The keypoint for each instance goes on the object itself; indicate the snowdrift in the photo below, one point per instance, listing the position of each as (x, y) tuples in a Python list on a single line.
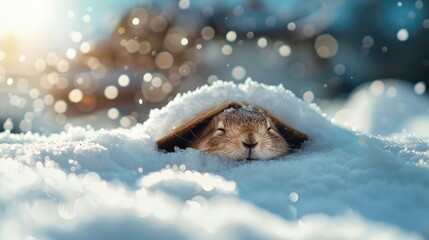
[(386, 107), (111, 184)]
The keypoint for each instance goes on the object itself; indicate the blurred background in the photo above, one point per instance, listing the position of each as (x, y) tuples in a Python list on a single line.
[(108, 63)]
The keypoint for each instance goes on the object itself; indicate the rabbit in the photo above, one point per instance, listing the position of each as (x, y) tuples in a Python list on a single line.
[(237, 132), (241, 134)]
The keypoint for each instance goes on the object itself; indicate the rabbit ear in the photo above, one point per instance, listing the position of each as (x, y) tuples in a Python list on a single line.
[(292, 136), (183, 135)]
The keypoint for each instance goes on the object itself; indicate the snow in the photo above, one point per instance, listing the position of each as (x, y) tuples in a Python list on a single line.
[(386, 107), (111, 184)]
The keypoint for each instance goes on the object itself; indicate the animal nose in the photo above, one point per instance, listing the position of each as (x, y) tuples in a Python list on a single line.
[(249, 145)]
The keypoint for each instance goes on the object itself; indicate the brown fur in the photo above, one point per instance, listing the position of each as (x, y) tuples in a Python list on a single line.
[(242, 127)]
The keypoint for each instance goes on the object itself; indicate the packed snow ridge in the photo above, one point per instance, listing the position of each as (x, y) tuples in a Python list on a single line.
[(112, 184)]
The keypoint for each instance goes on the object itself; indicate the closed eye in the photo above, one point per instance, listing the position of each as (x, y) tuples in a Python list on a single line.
[(221, 129), (269, 128)]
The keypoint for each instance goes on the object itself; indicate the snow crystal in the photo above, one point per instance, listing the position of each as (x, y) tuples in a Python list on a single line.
[(228, 110), (248, 108), (340, 185)]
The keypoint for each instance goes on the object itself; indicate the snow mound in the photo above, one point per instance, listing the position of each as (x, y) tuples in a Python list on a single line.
[(111, 184), (386, 107)]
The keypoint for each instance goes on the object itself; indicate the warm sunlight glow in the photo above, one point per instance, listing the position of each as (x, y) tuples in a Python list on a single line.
[(24, 18)]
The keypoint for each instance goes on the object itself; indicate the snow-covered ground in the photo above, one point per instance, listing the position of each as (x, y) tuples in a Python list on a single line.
[(114, 184)]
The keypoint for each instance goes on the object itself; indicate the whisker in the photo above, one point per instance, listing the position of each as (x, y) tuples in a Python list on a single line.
[(182, 138), (291, 138), (275, 107), (266, 132), (192, 133), (287, 116)]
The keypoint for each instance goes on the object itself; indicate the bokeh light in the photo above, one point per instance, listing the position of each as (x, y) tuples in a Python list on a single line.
[(113, 113), (71, 53), (420, 88), (123, 80), (226, 49), (207, 33), (231, 36), (308, 96), (402, 35), (164, 60), (377, 88), (238, 73), (75, 95), (184, 4), (262, 42), (111, 92), (285, 50), (60, 106), (326, 46)]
